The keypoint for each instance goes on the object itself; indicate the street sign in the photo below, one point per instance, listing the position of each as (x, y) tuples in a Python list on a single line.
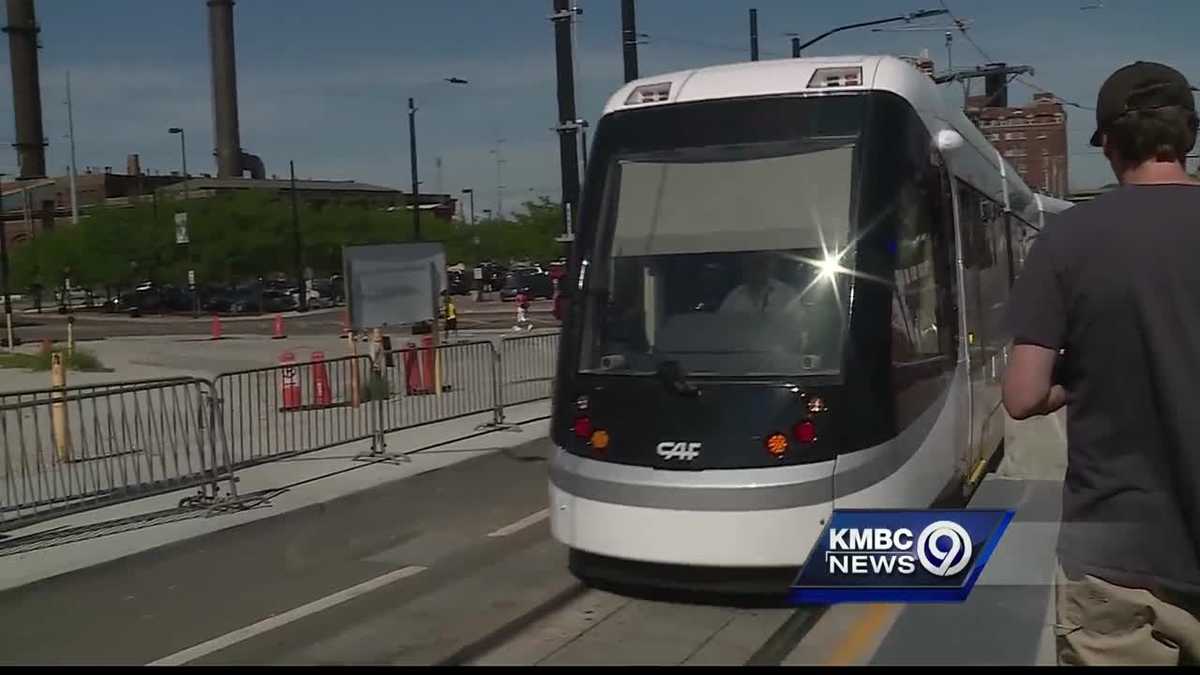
[(181, 228), (192, 278), (478, 274)]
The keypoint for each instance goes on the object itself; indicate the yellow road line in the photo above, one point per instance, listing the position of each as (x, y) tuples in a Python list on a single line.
[(852, 648)]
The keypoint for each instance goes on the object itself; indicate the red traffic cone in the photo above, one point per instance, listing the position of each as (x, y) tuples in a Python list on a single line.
[(216, 327), (278, 330), (321, 394)]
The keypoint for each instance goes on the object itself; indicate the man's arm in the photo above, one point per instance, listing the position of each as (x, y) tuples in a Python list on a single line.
[(1029, 388), (1038, 309)]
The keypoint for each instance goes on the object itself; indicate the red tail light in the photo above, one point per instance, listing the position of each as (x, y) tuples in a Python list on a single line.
[(805, 432), (582, 427)]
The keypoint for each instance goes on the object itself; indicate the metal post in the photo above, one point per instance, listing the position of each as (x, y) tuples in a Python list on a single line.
[(412, 147), (795, 48), (296, 238), (71, 135), (753, 34), (8, 323), (583, 146), (629, 39), (568, 121)]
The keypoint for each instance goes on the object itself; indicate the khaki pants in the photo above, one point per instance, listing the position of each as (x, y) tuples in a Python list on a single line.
[(1099, 623)]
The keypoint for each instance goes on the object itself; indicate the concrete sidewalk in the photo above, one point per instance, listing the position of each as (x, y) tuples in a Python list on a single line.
[(74, 542)]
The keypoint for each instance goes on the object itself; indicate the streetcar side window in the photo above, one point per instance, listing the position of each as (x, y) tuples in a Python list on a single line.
[(923, 306)]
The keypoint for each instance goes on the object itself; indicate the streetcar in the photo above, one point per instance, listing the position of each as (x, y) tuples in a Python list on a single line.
[(786, 296)]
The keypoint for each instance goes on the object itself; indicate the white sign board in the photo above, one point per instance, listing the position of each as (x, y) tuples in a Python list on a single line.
[(191, 277), (181, 228), (393, 284)]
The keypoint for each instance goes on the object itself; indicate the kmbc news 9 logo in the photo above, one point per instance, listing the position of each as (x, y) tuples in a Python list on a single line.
[(930, 555)]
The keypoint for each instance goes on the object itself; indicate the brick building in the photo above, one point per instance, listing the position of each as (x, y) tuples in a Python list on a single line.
[(1033, 138)]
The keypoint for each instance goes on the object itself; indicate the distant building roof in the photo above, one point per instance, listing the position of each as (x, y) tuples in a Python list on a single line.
[(251, 184)]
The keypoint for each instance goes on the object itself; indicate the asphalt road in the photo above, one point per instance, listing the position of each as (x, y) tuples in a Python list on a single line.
[(455, 565)]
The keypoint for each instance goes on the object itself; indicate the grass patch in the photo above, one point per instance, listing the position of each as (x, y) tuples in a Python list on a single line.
[(80, 360)]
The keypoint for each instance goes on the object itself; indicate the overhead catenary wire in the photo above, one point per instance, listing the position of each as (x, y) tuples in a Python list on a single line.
[(962, 28)]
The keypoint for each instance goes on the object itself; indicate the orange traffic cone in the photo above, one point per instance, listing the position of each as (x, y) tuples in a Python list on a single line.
[(278, 331)]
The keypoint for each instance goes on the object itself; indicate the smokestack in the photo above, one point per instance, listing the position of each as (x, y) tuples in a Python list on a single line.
[(22, 32), (133, 165), (224, 89)]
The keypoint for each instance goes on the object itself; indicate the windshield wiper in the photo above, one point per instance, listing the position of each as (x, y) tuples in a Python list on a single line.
[(675, 379)]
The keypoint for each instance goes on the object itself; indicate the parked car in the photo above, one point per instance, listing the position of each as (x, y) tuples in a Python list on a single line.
[(457, 283), (534, 281)]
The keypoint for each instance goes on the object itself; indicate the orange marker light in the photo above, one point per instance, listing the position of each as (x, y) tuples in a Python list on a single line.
[(777, 444), (600, 439)]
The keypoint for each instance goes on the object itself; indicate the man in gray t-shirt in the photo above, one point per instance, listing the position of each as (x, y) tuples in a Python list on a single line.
[(1114, 286)]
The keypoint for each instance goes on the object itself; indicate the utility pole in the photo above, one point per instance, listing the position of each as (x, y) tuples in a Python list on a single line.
[(583, 146), (412, 151), (8, 323), (299, 246), (753, 34), (990, 71), (568, 125), (499, 182), (71, 135), (629, 40)]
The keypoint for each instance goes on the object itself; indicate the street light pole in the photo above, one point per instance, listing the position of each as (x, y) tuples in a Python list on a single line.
[(186, 195), (183, 157), (919, 14), (8, 324), (71, 135), (412, 146), (471, 193), (303, 283)]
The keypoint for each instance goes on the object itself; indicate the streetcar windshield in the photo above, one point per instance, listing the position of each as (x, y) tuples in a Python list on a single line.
[(727, 260)]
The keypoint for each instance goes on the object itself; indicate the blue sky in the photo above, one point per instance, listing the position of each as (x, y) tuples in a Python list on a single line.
[(325, 83)]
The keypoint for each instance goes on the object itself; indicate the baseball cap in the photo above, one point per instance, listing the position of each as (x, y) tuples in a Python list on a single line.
[(1143, 85)]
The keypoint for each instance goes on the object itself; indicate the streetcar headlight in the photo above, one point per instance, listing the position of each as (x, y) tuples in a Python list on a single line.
[(830, 267)]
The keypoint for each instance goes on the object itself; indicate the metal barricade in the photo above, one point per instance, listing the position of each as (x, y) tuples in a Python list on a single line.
[(527, 366), (435, 384), (286, 410), (77, 448)]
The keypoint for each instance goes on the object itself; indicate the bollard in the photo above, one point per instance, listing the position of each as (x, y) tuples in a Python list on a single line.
[(277, 332), (216, 327), (70, 334), (58, 409), (321, 394), (288, 382), (345, 323)]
